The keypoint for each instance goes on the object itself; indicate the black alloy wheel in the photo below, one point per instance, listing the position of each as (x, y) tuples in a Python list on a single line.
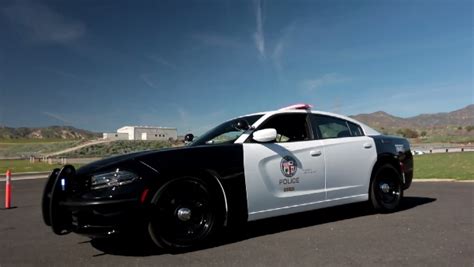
[(183, 214), (386, 189)]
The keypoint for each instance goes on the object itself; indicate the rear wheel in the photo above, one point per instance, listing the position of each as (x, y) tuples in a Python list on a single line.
[(184, 213), (386, 189)]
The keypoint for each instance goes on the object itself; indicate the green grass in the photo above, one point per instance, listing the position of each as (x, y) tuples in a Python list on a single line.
[(458, 166), (26, 149), (116, 148), (18, 166)]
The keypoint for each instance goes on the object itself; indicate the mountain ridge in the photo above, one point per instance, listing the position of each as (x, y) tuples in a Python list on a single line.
[(380, 119), (50, 132)]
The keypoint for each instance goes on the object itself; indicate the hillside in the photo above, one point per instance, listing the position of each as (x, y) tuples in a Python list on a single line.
[(455, 126), (51, 132), (462, 117), (381, 119)]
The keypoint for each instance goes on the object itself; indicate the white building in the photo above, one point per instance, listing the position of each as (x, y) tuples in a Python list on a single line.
[(143, 133)]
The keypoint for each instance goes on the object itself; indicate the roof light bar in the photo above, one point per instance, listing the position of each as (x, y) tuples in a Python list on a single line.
[(298, 106)]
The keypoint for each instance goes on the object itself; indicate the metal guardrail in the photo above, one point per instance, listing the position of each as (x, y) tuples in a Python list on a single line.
[(443, 149)]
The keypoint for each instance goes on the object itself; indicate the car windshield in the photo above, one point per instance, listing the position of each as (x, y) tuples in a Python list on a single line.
[(226, 133)]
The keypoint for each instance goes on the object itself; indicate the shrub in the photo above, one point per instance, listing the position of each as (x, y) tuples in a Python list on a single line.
[(408, 133)]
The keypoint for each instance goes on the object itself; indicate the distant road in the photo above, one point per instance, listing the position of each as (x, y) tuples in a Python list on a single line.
[(89, 143)]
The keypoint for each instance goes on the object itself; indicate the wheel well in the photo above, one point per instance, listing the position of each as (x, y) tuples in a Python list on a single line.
[(212, 179), (384, 161)]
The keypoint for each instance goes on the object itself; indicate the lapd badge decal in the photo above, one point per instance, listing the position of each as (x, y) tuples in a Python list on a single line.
[(288, 166)]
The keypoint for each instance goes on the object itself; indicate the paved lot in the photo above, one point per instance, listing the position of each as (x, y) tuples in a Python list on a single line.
[(434, 228)]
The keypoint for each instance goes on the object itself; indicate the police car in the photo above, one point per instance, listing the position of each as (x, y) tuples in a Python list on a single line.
[(252, 167)]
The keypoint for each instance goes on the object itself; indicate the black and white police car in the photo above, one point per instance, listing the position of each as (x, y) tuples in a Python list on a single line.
[(249, 168)]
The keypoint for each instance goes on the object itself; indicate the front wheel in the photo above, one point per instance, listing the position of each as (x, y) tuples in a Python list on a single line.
[(184, 213), (386, 189)]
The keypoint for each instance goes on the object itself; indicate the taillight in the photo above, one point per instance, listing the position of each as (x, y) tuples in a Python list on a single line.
[(144, 195)]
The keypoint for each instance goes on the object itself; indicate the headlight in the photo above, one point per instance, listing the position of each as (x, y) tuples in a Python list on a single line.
[(111, 179)]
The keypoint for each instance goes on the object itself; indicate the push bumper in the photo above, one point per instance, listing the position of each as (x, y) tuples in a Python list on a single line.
[(67, 211)]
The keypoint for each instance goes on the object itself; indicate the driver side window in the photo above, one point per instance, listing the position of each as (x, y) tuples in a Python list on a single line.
[(227, 137), (291, 127)]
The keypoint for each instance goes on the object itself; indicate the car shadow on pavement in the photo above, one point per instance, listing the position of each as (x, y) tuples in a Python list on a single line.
[(143, 246)]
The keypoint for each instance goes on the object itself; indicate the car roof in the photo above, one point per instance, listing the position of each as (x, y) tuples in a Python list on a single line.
[(367, 130)]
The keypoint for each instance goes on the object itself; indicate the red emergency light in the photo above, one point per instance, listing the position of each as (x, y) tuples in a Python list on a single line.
[(298, 106)]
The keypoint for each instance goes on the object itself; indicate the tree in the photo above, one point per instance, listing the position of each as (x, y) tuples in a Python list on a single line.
[(469, 128), (423, 133)]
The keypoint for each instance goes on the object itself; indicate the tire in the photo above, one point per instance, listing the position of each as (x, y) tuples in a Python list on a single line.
[(46, 198), (59, 216), (184, 213), (386, 189)]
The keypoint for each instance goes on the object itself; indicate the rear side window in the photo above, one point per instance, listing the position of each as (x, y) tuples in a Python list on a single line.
[(329, 127)]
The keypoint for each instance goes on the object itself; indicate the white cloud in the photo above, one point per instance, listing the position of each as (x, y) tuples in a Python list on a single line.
[(259, 34), (277, 55), (149, 80), (42, 24), (279, 50), (217, 40), (320, 82), (162, 61), (183, 114), (190, 121), (56, 117)]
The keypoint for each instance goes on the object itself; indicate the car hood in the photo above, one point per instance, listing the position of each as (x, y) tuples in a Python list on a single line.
[(113, 160), (172, 159)]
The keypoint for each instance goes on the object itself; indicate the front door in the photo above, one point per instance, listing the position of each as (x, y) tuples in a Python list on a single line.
[(288, 175)]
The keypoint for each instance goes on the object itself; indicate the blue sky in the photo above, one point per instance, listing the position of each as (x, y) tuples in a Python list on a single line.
[(99, 65)]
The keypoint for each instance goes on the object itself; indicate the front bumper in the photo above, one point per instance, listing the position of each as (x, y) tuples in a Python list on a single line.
[(101, 218), (67, 209)]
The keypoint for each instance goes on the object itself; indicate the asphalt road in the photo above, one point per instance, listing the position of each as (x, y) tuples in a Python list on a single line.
[(433, 228)]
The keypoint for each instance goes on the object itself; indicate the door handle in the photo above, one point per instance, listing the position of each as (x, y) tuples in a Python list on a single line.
[(367, 145), (315, 153)]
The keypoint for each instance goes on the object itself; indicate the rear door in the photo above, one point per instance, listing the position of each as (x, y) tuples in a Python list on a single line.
[(288, 175), (349, 156)]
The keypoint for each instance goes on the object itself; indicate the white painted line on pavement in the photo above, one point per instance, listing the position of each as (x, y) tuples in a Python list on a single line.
[(441, 180), (19, 178)]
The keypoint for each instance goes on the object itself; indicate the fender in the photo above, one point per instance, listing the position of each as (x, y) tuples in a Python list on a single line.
[(396, 151), (222, 164)]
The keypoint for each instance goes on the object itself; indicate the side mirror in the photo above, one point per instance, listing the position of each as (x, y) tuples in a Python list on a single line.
[(188, 138), (241, 125), (265, 135)]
